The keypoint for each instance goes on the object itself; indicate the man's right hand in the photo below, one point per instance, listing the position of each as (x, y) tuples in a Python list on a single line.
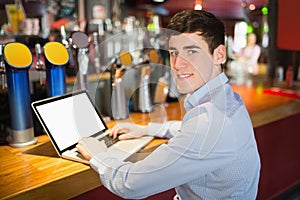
[(128, 130), (89, 147)]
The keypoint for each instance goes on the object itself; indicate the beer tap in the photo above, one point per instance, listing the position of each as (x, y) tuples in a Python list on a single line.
[(83, 61), (40, 66), (97, 64), (67, 43), (118, 98), (101, 31), (63, 34), (142, 96), (80, 43), (2, 69), (18, 60)]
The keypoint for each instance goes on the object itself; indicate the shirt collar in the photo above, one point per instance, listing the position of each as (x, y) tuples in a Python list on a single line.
[(195, 98)]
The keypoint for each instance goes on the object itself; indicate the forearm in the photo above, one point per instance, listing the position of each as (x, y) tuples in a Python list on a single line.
[(135, 180), (156, 173), (161, 170), (164, 130)]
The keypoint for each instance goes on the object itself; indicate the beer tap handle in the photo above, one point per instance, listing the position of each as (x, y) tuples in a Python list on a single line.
[(96, 52), (2, 68), (83, 60), (67, 43), (64, 36), (39, 63)]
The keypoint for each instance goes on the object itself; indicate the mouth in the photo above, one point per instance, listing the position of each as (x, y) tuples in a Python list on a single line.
[(184, 76)]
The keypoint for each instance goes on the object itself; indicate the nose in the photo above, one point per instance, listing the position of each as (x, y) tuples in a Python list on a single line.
[(178, 62)]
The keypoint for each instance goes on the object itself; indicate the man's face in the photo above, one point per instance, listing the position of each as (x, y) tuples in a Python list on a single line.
[(191, 62)]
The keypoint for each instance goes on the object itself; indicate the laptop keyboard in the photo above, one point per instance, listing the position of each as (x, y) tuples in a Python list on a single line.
[(108, 140)]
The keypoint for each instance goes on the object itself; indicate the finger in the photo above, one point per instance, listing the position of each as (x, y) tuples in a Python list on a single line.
[(114, 134), (80, 143), (119, 126), (83, 152), (79, 148), (114, 131), (119, 132)]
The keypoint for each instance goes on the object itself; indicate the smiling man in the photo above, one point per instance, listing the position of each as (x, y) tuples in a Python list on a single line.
[(189, 58), (212, 152)]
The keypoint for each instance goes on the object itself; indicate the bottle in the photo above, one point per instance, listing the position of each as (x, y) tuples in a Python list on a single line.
[(279, 73), (289, 77), (21, 15)]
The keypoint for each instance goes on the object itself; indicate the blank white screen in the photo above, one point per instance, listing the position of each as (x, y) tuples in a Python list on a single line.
[(70, 119)]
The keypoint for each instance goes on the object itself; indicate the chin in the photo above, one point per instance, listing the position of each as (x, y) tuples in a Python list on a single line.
[(185, 90)]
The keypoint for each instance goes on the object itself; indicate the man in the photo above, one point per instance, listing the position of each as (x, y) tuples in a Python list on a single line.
[(212, 153)]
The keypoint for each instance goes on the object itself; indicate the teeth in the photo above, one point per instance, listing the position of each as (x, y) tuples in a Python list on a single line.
[(184, 75)]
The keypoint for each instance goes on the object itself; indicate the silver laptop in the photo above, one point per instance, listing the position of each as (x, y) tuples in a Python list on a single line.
[(70, 117)]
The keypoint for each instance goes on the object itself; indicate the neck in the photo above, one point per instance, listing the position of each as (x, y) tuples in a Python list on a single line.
[(217, 69)]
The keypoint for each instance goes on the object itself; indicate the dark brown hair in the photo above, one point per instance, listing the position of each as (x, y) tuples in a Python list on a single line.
[(189, 21)]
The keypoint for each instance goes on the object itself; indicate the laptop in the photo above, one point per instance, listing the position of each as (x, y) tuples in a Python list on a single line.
[(69, 117)]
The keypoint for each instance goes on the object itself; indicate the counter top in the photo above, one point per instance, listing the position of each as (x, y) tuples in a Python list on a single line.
[(36, 171), (266, 108)]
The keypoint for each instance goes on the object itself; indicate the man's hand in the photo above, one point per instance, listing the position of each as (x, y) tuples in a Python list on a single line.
[(128, 130), (89, 147)]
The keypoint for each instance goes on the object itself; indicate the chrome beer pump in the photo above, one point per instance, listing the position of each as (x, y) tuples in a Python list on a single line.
[(96, 43), (142, 96), (71, 67), (18, 59), (80, 42), (145, 103), (118, 98)]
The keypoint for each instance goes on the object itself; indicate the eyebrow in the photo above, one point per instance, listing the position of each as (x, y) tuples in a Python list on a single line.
[(172, 48), (192, 47), (187, 47)]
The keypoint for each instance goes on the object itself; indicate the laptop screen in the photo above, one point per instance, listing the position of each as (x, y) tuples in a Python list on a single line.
[(68, 118)]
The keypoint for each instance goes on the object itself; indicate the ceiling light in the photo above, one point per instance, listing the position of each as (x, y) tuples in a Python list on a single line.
[(252, 7), (243, 4), (264, 10), (198, 5)]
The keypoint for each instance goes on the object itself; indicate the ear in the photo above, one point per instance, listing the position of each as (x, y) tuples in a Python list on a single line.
[(219, 55)]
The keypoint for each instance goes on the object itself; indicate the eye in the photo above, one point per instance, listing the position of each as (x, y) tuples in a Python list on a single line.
[(174, 53), (191, 52)]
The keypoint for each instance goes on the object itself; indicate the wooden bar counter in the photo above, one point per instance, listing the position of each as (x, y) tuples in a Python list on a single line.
[(36, 172)]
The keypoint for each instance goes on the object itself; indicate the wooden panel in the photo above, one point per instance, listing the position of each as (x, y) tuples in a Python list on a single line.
[(278, 145), (288, 25)]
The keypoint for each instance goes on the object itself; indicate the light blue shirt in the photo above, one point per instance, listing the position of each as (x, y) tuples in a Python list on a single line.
[(212, 153)]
